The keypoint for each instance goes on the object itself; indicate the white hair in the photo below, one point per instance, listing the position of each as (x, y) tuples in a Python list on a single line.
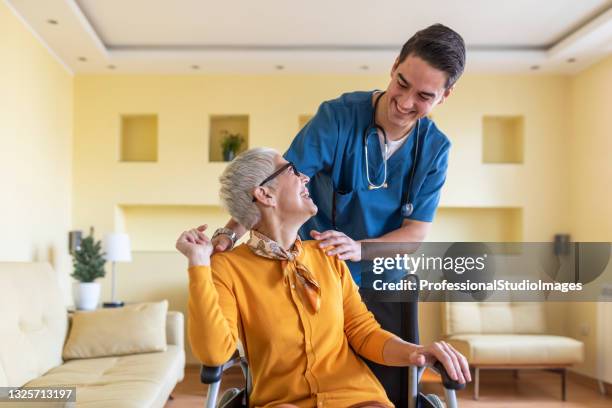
[(240, 178)]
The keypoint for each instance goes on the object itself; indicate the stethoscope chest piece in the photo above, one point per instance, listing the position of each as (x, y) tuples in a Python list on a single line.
[(407, 210)]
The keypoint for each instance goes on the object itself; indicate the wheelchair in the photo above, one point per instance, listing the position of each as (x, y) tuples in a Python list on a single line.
[(238, 398)]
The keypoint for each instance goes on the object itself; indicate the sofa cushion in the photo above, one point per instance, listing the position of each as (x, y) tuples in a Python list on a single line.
[(33, 321), (493, 318), (139, 380), (520, 349), (138, 328)]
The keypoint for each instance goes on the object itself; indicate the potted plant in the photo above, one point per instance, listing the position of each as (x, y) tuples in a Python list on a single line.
[(231, 145), (88, 265)]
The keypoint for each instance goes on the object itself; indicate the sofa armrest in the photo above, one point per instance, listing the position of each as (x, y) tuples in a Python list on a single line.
[(175, 324)]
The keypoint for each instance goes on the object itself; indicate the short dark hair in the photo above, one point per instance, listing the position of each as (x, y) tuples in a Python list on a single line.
[(440, 47)]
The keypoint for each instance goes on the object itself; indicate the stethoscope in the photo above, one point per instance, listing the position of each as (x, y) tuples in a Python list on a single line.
[(408, 207)]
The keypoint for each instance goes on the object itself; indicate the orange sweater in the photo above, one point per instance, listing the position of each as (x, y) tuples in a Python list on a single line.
[(295, 356)]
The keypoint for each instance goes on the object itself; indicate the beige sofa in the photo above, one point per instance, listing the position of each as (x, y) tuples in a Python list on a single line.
[(508, 335), (33, 331)]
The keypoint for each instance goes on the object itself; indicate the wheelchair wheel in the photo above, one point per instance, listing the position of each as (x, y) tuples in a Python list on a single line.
[(232, 398), (430, 401)]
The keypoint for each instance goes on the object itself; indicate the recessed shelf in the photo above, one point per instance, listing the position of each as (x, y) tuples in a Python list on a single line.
[(502, 139), (220, 127), (303, 120), (138, 138), (477, 224)]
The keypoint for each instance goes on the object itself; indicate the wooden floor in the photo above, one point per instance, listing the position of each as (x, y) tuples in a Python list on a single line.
[(497, 389)]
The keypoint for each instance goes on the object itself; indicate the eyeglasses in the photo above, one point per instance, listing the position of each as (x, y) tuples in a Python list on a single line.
[(278, 173)]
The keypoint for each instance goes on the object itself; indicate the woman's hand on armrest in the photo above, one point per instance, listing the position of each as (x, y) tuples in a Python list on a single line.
[(455, 363), (398, 352), (196, 246)]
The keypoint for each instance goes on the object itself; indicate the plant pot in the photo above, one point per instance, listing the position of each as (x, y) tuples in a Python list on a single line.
[(229, 155), (86, 295)]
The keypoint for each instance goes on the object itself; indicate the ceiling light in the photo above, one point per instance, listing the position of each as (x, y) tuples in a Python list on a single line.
[(52, 21), (570, 60), (280, 67), (534, 67)]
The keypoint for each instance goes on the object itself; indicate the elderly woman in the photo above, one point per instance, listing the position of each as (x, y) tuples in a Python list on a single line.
[(295, 309)]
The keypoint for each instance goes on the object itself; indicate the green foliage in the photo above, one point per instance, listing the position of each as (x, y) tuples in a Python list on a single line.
[(88, 260), (231, 142)]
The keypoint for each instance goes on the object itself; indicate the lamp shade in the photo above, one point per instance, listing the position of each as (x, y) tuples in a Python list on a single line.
[(117, 247)]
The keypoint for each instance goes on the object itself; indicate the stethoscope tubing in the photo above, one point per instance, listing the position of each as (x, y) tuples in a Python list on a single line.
[(408, 207)]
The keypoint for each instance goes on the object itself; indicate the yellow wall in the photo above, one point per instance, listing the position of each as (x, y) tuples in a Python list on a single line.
[(590, 194), (591, 145), (35, 150), (153, 200)]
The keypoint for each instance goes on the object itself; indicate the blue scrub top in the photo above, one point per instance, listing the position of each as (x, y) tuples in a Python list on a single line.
[(330, 150)]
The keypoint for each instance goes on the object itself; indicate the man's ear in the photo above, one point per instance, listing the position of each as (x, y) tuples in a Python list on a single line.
[(261, 194), (446, 94)]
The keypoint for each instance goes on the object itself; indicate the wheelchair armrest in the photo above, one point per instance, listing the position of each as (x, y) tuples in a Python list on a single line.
[(448, 382), (210, 375)]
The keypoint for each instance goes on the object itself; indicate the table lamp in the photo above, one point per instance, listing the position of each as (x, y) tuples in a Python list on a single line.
[(118, 249)]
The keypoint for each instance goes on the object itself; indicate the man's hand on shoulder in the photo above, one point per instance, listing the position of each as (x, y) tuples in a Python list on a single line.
[(336, 243)]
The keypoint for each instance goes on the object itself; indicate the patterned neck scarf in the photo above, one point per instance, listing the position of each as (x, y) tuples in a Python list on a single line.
[(306, 284)]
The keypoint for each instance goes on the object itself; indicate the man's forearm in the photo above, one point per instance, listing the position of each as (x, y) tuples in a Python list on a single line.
[(410, 231), (407, 238)]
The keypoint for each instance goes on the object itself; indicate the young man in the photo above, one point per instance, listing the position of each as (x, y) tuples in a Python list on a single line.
[(377, 165)]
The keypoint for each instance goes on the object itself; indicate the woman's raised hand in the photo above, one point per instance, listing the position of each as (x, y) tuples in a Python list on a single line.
[(195, 245)]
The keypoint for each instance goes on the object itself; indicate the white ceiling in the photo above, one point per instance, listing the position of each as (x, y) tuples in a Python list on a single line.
[(316, 36)]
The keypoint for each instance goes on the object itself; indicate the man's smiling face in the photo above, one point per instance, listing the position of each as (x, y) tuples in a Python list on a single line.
[(415, 88)]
